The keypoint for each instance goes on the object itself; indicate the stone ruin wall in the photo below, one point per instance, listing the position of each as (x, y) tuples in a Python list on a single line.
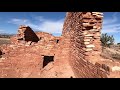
[(25, 33), (83, 32), (22, 54), (78, 48)]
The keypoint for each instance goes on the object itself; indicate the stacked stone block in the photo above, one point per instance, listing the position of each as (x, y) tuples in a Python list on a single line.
[(83, 31)]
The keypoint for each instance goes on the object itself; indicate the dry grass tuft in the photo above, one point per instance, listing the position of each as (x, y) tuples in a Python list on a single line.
[(110, 53), (4, 41)]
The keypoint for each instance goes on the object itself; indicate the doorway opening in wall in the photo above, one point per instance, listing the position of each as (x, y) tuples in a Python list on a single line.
[(57, 41), (47, 59), (20, 39)]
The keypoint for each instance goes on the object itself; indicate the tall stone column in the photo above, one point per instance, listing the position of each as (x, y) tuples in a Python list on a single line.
[(82, 31), (91, 30)]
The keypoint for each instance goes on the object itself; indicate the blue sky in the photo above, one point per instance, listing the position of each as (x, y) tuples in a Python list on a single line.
[(52, 22)]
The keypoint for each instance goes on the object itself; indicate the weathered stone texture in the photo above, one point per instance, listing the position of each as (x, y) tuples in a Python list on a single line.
[(25, 33), (81, 28), (74, 52)]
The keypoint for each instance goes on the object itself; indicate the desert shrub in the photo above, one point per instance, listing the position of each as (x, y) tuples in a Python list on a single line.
[(110, 53), (107, 40)]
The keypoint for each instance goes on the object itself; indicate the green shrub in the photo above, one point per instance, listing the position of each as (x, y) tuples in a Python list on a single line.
[(107, 40)]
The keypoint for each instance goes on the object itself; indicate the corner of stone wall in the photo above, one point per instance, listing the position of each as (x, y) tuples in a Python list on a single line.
[(91, 31), (83, 32)]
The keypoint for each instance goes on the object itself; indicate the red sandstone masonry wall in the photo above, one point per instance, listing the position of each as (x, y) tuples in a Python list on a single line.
[(27, 34), (83, 43)]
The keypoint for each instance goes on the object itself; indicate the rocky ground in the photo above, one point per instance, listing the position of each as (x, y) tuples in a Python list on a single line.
[(4, 41), (15, 61), (110, 57)]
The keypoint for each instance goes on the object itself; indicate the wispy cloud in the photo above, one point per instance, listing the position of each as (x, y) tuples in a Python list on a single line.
[(39, 18), (52, 26), (18, 21), (111, 25), (2, 31), (114, 28), (112, 19), (46, 25)]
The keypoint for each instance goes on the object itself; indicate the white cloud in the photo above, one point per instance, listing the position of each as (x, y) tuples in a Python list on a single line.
[(111, 25), (111, 28), (113, 19), (40, 18), (2, 31), (18, 21), (51, 26)]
